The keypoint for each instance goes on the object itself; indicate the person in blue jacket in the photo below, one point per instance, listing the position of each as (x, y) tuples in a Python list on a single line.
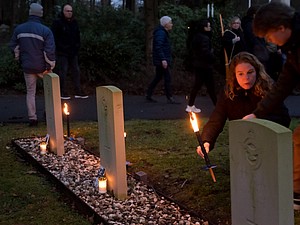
[(162, 59), (33, 46)]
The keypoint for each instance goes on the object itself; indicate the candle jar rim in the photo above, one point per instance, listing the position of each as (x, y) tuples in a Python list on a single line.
[(102, 178)]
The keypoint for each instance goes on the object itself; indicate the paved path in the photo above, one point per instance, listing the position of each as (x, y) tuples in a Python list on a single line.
[(13, 108)]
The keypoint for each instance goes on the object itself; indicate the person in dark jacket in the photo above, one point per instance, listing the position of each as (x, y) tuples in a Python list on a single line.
[(246, 85), (33, 45), (162, 57), (202, 59), (279, 24), (255, 45), (267, 54), (233, 39), (67, 39)]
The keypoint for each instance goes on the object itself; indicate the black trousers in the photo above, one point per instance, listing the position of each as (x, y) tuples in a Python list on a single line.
[(203, 76)]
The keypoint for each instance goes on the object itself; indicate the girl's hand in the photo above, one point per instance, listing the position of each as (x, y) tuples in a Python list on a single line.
[(199, 151)]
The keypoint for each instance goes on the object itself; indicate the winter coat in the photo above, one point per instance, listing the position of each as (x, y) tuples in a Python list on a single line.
[(233, 49), (33, 44), (242, 104), (161, 46), (67, 36), (255, 45), (201, 51), (290, 75)]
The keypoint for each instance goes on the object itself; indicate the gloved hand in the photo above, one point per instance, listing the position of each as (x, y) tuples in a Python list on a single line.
[(235, 40)]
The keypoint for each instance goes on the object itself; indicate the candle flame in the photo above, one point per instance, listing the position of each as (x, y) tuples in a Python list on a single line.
[(66, 110), (194, 121), (125, 134)]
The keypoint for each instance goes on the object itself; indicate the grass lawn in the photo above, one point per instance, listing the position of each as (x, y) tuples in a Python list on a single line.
[(165, 150)]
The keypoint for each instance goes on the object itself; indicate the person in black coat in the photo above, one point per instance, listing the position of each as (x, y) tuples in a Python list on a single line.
[(246, 85), (201, 58), (279, 24), (233, 39), (67, 40)]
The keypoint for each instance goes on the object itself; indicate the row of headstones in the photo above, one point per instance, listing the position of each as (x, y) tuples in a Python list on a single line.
[(110, 125), (260, 157)]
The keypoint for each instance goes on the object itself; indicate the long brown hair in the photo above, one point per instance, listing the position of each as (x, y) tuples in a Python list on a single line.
[(263, 82)]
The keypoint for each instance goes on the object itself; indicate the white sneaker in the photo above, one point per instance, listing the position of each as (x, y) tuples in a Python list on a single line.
[(192, 109)]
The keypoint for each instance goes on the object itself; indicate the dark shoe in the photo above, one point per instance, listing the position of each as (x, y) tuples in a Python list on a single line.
[(81, 95), (149, 99), (296, 201), (33, 123), (171, 100), (65, 96)]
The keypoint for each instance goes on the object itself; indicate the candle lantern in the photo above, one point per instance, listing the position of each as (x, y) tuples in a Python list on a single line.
[(102, 180), (67, 113), (208, 166), (102, 184), (43, 148)]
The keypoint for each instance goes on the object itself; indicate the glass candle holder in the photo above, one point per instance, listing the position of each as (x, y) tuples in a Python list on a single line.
[(102, 185), (43, 148)]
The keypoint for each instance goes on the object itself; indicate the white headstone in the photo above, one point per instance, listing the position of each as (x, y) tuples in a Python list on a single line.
[(111, 138), (261, 173), (54, 113)]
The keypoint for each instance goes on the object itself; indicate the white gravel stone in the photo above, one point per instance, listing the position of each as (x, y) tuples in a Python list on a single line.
[(77, 169)]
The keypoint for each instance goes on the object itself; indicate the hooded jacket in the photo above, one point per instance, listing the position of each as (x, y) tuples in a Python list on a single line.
[(201, 51)]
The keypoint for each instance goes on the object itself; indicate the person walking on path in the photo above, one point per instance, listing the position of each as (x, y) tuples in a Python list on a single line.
[(202, 59), (279, 24), (246, 85), (33, 45), (162, 59), (67, 39)]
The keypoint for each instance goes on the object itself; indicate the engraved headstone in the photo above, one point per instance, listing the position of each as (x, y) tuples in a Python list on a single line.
[(54, 113), (111, 138), (261, 172)]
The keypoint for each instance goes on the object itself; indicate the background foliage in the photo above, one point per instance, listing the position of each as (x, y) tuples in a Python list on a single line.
[(113, 48)]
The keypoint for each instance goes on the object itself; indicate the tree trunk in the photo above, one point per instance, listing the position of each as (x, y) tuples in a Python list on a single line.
[(48, 7), (106, 2), (151, 19)]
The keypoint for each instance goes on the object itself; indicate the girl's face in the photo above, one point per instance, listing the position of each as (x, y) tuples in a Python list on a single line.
[(236, 24), (207, 28), (245, 75)]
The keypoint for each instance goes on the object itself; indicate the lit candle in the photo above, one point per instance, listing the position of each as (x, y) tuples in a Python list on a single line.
[(67, 113), (208, 10), (249, 3), (43, 148), (194, 123), (102, 183), (212, 9)]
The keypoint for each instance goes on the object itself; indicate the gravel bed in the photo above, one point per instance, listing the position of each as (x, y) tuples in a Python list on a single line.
[(77, 169)]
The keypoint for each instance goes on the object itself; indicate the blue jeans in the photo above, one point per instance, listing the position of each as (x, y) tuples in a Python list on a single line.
[(63, 64), (161, 73)]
